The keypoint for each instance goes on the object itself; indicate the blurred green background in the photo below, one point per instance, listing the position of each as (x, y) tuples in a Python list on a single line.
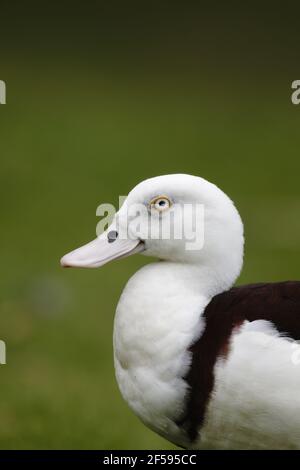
[(100, 97)]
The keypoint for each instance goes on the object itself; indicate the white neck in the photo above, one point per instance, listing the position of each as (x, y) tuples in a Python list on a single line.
[(158, 317)]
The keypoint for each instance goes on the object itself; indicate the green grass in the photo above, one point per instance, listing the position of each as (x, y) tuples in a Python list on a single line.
[(72, 138)]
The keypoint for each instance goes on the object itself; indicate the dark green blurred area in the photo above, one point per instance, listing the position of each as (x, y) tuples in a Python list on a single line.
[(98, 99)]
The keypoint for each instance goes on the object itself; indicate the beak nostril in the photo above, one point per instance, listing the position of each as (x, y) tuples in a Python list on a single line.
[(112, 236)]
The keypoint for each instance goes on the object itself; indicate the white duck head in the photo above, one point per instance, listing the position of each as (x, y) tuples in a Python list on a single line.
[(178, 218)]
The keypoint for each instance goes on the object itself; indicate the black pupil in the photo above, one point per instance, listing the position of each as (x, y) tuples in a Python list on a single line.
[(112, 236), (162, 203)]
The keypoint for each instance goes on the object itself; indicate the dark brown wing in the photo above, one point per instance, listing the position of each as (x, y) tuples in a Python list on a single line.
[(278, 303)]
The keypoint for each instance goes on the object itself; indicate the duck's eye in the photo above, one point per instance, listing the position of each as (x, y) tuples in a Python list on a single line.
[(160, 203)]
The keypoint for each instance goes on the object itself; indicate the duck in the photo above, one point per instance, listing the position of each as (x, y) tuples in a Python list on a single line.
[(203, 362)]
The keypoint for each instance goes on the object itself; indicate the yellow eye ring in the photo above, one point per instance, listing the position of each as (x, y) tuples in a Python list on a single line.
[(160, 203)]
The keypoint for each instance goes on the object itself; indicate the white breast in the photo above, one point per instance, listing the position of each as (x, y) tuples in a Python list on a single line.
[(157, 318)]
